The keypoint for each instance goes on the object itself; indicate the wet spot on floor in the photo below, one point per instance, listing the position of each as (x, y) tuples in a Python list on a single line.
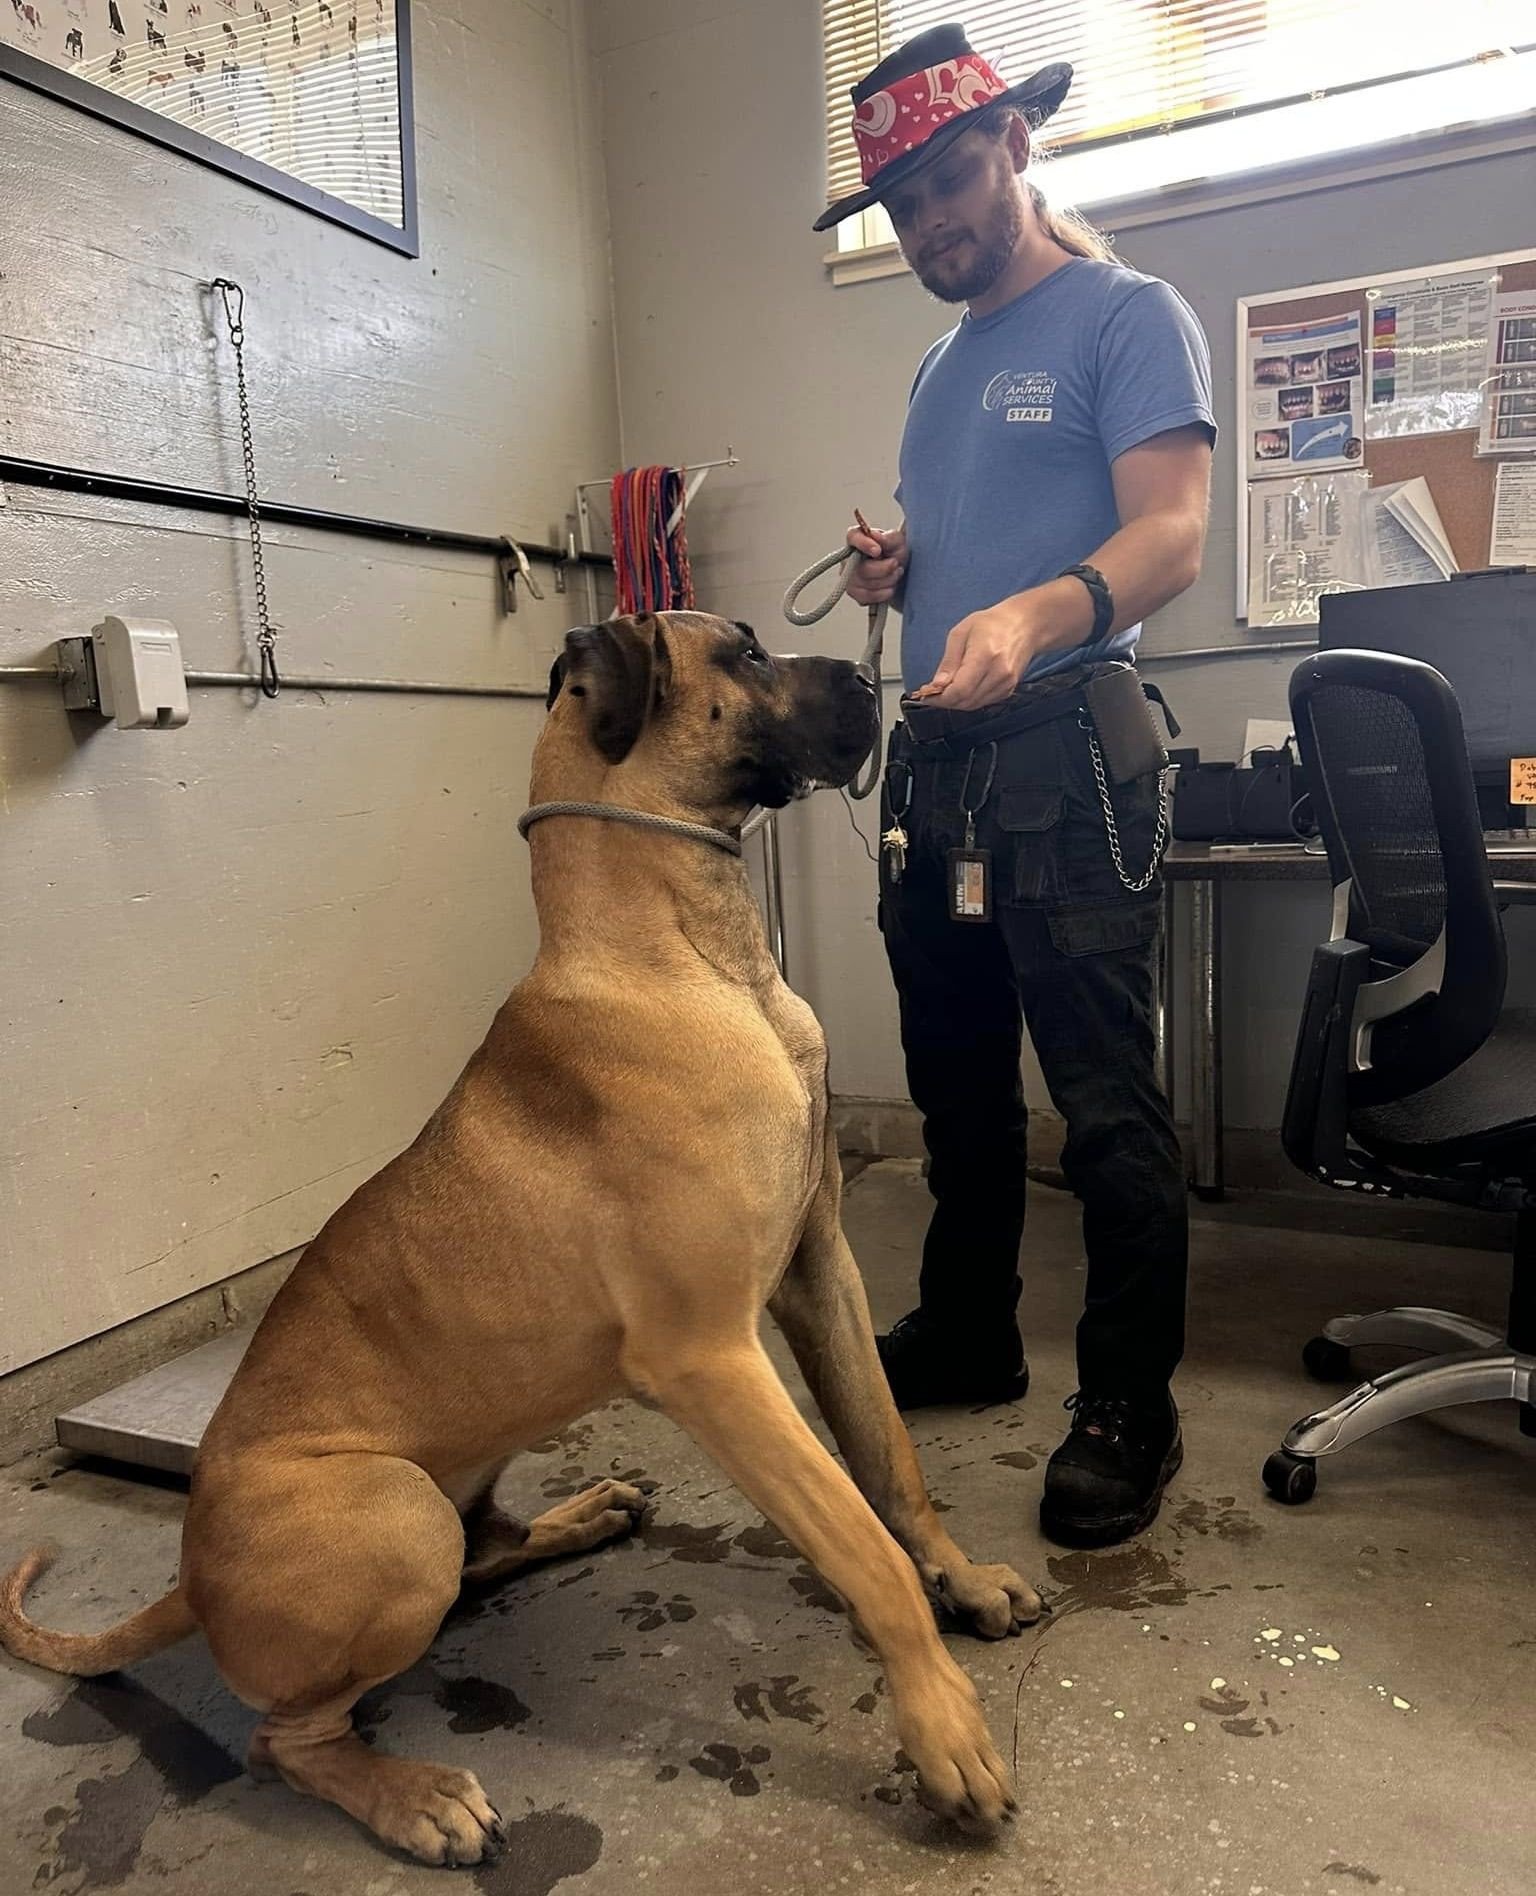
[(814, 1590), (784, 1697), (564, 1483), (96, 1711), (476, 1705), (729, 1766), (1356, 1870), (573, 1440), (1128, 1579), (105, 1832), (543, 1849), (699, 1546), (764, 1543), (1221, 1517), (647, 1611), (1017, 1458)]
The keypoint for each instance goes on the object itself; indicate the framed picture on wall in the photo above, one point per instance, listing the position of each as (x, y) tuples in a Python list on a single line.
[(307, 99)]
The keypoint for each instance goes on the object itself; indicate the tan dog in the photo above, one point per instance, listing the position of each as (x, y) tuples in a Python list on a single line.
[(636, 1161)]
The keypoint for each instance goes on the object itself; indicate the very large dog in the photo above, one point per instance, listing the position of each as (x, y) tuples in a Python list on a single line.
[(636, 1161)]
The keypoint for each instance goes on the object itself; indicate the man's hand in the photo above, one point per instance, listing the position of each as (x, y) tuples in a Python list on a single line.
[(989, 652), (877, 576)]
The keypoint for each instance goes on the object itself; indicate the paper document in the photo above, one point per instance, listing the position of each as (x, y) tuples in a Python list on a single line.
[(1304, 540), (1265, 734), (1403, 541), (1304, 403), (1509, 389), (1514, 515), (1428, 343)]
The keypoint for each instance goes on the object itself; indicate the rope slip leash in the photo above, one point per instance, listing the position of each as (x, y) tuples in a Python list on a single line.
[(641, 819), (846, 559)]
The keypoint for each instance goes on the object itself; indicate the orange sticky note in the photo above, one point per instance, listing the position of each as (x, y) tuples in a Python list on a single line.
[(1522, 779)]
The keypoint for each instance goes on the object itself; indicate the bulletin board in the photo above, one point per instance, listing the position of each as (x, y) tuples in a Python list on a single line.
[(1456, 446)]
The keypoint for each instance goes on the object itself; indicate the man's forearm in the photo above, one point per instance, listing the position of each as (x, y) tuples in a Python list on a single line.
[(1147, 562)]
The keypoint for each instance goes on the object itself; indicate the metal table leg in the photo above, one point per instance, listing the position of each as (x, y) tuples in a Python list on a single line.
[(1205, 1036)]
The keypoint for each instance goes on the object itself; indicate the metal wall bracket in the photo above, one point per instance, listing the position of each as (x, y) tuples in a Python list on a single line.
[(77, 674)]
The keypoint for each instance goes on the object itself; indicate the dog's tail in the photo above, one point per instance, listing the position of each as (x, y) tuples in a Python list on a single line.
[(85, 1654)]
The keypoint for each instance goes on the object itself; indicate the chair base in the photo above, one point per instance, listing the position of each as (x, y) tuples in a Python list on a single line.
[(1479, 1367)]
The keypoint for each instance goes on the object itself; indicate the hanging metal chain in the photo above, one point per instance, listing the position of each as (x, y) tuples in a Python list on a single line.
[(1160, 838), (266, 637)]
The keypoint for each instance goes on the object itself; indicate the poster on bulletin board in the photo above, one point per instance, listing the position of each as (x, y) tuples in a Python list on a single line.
[(1304, 395), (1428, 339), (1422, 384), (307, 99)]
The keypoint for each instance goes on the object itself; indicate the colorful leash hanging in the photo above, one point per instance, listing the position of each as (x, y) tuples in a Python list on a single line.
[(650, 565)]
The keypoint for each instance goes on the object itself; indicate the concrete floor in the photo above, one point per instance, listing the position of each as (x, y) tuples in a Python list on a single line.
[(1249, 1701)]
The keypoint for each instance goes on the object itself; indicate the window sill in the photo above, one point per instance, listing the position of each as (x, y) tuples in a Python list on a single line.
[(1203, 197)]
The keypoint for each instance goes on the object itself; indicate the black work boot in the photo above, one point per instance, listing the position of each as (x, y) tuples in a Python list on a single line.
[(1106, 1480), (928, 1366)]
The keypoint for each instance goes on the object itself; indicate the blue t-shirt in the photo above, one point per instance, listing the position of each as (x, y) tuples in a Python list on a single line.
[(1012, 425)]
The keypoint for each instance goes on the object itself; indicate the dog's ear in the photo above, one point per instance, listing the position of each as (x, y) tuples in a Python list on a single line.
[(556, 680), (624, 670)]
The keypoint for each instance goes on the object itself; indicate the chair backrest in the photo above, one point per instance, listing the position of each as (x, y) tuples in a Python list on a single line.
[(1386, 762)]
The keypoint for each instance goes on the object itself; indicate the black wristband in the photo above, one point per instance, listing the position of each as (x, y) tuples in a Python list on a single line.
[(1098, 590)]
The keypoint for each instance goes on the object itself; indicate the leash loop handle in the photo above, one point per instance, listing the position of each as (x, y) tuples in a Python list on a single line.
[(842, 558), (845, 559)]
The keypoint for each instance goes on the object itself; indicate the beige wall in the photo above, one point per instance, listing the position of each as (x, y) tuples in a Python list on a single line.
[(729, 329), (242, 961)]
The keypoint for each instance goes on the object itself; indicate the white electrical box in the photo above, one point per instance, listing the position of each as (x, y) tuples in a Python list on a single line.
[(139, 674)]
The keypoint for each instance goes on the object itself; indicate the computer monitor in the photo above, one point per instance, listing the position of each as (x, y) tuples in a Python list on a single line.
[(1479, 631)]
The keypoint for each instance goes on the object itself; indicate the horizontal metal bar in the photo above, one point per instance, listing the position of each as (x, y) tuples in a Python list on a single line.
[(1226, 651), (77, 480), (729, 459), (303, 681), (298, 681)]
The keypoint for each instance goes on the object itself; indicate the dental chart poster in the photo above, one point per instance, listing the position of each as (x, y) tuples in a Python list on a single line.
[(1304, 397)]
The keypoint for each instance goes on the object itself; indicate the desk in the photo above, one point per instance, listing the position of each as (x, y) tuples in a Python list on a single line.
[(1205, 871)]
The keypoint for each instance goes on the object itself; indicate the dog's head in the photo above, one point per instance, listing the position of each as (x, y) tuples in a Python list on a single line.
[(692, 709)]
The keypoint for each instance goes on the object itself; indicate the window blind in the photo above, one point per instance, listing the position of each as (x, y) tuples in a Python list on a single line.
[(1150, 68)]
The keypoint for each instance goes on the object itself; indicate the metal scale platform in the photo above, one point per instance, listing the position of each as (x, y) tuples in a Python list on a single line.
[(157, 1420)]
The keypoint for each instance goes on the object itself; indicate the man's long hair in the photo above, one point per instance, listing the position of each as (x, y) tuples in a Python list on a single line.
[(1063, 226)]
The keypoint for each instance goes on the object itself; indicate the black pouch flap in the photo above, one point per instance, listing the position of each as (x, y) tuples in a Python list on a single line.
[(1026, 810), (1123, 725)]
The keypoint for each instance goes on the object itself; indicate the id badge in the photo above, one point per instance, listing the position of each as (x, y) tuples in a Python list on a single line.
[(970, 885)]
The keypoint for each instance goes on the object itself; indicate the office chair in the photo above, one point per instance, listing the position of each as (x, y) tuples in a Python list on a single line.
[(1410, 1078)]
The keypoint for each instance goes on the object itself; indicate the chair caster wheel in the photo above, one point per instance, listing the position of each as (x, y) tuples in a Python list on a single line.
[(1326, 1360), (1290, 1478)]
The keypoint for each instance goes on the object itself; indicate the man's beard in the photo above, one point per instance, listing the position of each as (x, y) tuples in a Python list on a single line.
[(994, 248)]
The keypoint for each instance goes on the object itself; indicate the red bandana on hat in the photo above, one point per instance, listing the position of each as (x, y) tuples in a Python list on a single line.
[(904, 115)]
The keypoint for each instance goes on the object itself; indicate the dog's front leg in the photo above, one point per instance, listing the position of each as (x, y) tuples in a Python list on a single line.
[(822, 1310), (728, 1396)]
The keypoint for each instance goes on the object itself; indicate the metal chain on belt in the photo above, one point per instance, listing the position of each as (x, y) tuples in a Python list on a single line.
[(266, 637), (1160, 838)]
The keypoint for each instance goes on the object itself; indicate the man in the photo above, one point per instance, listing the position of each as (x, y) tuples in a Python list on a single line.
[(1055, 474)]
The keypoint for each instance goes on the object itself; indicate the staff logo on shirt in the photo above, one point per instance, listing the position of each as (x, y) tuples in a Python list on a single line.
[(1028, 396)]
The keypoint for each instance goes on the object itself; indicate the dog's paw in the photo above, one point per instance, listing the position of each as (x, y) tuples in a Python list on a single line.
[(992, 1602), (439, 1815), (606, 1511), (960, 1774)]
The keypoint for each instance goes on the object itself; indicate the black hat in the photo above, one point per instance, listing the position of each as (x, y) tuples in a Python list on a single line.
[(920, 99)]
